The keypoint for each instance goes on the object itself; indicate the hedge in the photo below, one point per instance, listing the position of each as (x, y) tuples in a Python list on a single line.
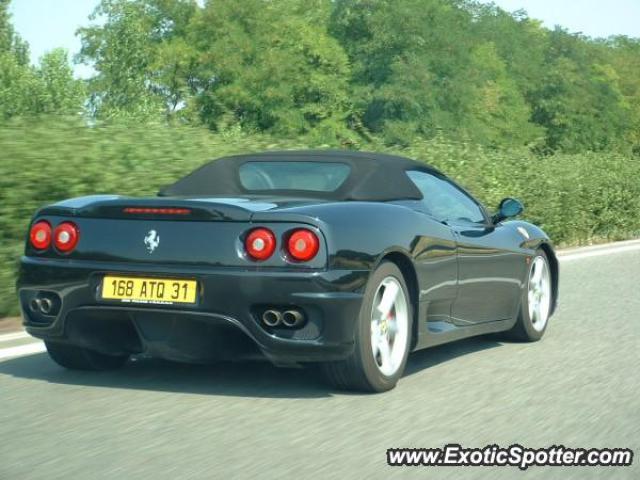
[(577, 199)]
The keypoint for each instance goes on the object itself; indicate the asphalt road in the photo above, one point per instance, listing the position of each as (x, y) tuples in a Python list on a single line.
[(579, 387)]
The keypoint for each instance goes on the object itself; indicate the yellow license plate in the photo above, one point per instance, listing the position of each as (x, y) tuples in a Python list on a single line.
[(149, 290)]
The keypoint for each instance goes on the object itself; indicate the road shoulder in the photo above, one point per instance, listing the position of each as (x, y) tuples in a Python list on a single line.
[(11, 324)]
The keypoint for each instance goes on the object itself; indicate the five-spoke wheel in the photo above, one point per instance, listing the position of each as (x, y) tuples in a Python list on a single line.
[(389, 326), (537, 301), (539, 295), (382, 337)]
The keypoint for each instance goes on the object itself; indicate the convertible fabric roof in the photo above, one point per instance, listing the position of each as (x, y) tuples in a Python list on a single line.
[(373, 177)]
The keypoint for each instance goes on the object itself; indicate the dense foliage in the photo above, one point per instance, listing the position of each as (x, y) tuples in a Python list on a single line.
[(345, 71), (355, 69), (502, 104), (576, 197)]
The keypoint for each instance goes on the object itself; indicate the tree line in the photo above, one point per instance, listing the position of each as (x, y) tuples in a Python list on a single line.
[(353, 70)]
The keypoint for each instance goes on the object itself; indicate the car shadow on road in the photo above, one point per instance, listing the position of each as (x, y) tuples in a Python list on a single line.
[(431, 357), (247, 379)]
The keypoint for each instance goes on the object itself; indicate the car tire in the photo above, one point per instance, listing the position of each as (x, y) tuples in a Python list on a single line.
[(536, 305), (79, 358), (377, 368)]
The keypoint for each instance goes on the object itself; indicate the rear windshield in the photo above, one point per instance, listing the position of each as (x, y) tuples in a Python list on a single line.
[(310, 176)]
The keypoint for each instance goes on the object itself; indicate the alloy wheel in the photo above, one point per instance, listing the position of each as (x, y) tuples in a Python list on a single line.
[(539, 295), (389, 326)]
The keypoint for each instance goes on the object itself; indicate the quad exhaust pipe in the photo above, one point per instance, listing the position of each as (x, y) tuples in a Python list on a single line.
[(46, 305), (41, 305), (292, 318), (34, 305), (272, 318), (289, 318)]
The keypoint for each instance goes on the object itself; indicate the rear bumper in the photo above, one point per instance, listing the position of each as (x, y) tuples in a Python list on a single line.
[(224, 323)]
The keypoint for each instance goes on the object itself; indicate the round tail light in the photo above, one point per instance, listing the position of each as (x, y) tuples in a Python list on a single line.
[(303, 245), (65, 237), (40, 235), (260, 243)]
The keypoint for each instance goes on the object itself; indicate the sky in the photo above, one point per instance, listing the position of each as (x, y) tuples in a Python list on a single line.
[(47, 24)]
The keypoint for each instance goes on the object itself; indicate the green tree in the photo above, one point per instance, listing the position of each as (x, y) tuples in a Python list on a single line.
[(498, 115), (257, 64), (579, 101), (16, 76), (10, 41), (46, 89), (25, 90), (623, 54), (420, 68), (405, 58), (270, 66), (520, 42), (16, 81), (399, 70), (57, 92), (144, 66)]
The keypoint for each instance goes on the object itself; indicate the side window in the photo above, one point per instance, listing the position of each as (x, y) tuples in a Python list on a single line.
[(444, 201)]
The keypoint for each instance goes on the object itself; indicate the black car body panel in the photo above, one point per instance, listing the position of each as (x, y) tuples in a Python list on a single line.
[(464, 279)]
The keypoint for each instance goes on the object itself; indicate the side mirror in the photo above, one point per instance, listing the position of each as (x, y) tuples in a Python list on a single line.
[(509, 208)]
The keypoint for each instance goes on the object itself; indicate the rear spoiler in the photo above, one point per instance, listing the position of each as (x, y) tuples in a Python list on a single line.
[(165, 208)]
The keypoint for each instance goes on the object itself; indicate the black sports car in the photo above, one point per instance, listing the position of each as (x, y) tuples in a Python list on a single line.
[(351, 260)]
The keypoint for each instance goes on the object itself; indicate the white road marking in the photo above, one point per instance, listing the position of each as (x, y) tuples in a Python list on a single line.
[(598, 250), (8, 337), (22, 350)]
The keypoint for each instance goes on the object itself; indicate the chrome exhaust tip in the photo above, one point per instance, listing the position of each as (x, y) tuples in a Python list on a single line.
[(46, 306), (292, 318), (35, 305), (271, 318)]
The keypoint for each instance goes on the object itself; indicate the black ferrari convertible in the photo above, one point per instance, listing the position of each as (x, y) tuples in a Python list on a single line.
[(349, 260)]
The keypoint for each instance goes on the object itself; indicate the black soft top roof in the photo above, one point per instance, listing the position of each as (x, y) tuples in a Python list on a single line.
[(373, 176)]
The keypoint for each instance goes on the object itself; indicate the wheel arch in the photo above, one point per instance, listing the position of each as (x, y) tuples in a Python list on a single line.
[(555, 272), (405, 264)]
